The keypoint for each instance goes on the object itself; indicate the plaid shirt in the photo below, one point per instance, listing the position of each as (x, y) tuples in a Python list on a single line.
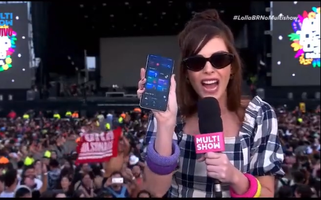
[(256, 150)]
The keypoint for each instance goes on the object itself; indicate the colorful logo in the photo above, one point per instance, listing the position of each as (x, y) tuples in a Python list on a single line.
[(306, 37), (7, 46)]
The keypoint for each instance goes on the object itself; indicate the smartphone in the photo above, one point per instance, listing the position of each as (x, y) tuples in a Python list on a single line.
[(158, 78), (117, 180)]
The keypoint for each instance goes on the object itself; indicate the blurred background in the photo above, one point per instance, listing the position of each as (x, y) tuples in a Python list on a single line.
[(87, 55)]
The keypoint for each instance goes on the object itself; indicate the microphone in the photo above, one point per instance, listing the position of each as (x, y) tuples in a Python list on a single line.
[(211, 138)]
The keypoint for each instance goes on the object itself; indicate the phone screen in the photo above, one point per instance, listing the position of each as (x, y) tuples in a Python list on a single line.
[(117, 180), (158, 75)]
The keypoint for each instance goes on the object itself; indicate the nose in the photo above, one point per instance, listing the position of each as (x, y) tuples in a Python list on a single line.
[(208, 68)]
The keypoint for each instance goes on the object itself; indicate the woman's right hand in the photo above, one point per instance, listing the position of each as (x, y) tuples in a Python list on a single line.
[(167, 118)]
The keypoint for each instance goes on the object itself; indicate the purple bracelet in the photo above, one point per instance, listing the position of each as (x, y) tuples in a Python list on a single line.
[(162, 165)]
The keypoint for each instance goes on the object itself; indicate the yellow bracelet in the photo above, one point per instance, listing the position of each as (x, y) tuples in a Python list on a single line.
[(259, 189)]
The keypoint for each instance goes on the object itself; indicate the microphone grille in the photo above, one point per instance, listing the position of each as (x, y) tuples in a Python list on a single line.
[(209, 115), (208, 107)]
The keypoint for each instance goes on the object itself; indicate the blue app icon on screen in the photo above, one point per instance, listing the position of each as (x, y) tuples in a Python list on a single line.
[(162, 82), (161, 88), (150, 86), (152, 73)]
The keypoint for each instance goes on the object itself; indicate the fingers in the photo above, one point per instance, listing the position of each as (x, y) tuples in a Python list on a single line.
[(214, 175), (212, 155), (140, 92), (141, 83), (212, 169), (172, 89), (142, 73), (214, 159)]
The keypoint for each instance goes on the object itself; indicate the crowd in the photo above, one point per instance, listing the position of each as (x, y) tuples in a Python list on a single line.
[(37, 157), (299, 132)]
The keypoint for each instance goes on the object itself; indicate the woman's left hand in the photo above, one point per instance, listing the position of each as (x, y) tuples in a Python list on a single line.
[(219, 167)]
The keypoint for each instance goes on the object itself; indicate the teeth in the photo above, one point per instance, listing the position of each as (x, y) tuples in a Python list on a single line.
[(210, 82)]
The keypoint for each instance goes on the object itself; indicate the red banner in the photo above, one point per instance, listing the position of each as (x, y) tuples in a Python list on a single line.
[(98, 147)]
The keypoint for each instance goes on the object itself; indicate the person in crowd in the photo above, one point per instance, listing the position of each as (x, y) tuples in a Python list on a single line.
[(86, 185), (65, 185), (286, 180), (303, 191), (10, 184), (53, 173), (116, 186), (82, 169), (104, 193), (284, 192), (98, 176), (23, 192), (1, 183), (211, 67), (20, 168), (299, 179), (137, 173), (144, 194), (38, 169)]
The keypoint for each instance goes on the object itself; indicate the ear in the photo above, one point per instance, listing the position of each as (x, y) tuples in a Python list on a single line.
[(187, 77)]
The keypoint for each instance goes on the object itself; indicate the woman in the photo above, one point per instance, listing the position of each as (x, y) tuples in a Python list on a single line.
[(86, 185), (38, 169), (211, 67), (137, 173), (66, 186)]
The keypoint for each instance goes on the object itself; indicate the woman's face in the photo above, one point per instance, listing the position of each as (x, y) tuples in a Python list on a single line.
[(30, 172), (136, 171), (85, 167), (87, 180), (65, 183), (53, 155), (38, 165), (67, 164), (199, 79)]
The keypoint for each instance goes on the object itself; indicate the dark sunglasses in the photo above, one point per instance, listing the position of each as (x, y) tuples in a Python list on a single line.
[(218, 60)]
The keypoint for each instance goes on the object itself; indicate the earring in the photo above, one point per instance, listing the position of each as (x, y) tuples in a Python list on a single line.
[(231, 76)]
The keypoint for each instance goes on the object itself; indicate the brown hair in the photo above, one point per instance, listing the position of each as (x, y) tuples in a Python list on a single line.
[(197, 33)]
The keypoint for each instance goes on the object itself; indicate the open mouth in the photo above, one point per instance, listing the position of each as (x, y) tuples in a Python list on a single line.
[(210, 85)]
